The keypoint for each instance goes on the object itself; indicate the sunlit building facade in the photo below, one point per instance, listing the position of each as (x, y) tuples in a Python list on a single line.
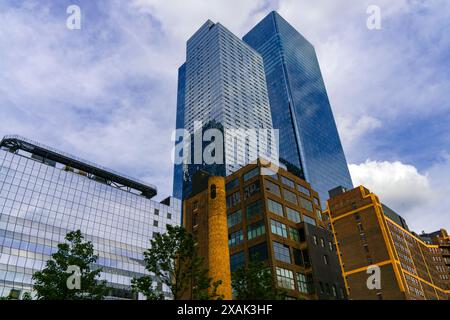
[(368, 234), (277, 218), (44, 194)]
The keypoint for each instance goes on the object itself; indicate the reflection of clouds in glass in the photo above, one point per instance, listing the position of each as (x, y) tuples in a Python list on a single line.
[(40, 207)]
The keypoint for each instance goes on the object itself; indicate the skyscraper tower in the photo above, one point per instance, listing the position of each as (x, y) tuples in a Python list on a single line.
[(299, 103), (222, 83)]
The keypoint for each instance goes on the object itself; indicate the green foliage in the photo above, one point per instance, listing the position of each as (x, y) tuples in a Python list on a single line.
[(51, 282), (255, 282), (174, 262), (26, 296), (13, 296)]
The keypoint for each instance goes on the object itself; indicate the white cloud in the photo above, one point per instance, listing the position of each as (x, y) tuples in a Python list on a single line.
[(398, 184), (420, 198), (107, 94), (352, 131), (180, 19)]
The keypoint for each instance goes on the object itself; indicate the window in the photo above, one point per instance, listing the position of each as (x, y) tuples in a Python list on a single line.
[(293, 215), (258, 252), (294, 234), (234, 218), (195, 220), (319, 214), (290, 196), (237, 260), (316, 201), (269, 173), (363, 237), (333, 288), (330, 245), (233, 200), (304, 283), (315, 240), (321, 287), (309, 220), (235, 238), (251, 174), (254, 209), (304, 190), (232, 184), (325, 259), (156, 212), (251, 189), (306, 204), (288, 182), (366, 248), (357, 217), (281, 252), (285, 278), (169, 215), (213, 191), (360, 228), (298, 258), (322, 242), (342, 295), (278, 228), (155, 223), (255, 230), (275, 207), (272, 188)]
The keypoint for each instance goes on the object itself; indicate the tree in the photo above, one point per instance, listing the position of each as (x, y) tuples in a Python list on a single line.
[(15, 295), (173, 260), (72, 262), (255, 282), (26, 296)]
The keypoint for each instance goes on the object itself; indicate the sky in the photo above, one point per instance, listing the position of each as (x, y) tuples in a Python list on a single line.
[(107, 92)]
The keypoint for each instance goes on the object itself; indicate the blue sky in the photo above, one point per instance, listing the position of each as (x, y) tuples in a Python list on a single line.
[(107, 92)]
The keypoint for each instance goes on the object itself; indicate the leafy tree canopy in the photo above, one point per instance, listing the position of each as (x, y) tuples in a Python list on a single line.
[(58, 280), (172, 260), (255, 282)]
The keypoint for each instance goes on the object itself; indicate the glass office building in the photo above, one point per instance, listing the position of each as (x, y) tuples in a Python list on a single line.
[(299, 104), (222, 82), (44, 194), (178, 168)]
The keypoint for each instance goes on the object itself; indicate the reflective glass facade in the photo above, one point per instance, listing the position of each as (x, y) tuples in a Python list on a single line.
[(222, 82), (41, 201), (178, 168), (299, 104)]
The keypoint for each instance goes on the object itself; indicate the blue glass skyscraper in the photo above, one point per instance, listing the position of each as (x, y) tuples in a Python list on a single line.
[(178, 168), (299, 105)]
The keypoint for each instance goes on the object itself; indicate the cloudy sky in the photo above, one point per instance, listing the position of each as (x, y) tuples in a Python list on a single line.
[(107, 92)]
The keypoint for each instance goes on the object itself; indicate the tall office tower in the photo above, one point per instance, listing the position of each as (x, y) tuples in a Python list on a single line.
[(369, 236), (222, 82), (45, 193), (299, 103), (277, 218)]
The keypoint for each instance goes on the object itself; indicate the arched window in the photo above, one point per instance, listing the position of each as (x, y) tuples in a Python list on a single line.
[(213, 191)]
